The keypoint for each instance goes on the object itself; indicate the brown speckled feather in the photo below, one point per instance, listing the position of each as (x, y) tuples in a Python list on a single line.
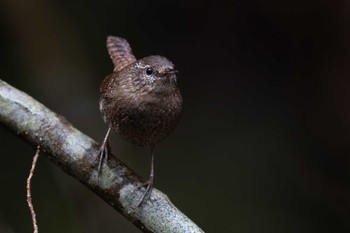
[(120, 52)]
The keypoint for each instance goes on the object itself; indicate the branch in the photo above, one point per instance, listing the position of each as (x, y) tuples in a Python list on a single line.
[(76, 154)]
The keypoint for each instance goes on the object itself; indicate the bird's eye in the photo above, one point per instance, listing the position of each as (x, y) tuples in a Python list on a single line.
[(149, 71)]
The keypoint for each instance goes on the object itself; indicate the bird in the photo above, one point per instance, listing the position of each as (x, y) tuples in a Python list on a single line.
[(140, 101)]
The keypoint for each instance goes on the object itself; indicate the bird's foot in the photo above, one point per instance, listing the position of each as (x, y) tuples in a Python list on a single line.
[(145, 196), (103, 153), (102, 156)]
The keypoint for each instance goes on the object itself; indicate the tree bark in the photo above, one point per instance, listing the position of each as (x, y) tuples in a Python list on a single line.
[(76, 154)]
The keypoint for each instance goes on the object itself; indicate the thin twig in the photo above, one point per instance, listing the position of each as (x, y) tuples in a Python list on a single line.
[(29, 195)]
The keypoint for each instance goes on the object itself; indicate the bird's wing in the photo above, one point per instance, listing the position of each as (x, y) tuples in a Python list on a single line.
[(120, 52)]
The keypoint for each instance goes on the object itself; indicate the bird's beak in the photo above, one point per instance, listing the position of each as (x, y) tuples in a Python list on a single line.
[(171, 71)]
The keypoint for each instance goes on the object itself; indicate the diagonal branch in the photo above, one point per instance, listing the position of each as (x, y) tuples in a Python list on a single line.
[(76, 154)]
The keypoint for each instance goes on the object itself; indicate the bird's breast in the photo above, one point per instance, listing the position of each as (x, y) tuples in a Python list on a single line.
[(147, 123)]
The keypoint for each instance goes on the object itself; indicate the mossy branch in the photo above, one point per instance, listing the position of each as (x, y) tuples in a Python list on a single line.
[(76, 154)]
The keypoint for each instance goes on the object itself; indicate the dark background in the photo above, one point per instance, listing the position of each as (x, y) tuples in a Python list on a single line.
[(263, 142)]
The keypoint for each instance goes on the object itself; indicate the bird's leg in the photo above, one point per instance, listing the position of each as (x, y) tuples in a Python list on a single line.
[(103, 153), (150, 180)]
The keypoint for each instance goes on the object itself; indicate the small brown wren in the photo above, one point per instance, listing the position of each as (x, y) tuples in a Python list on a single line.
[(140, 100)]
